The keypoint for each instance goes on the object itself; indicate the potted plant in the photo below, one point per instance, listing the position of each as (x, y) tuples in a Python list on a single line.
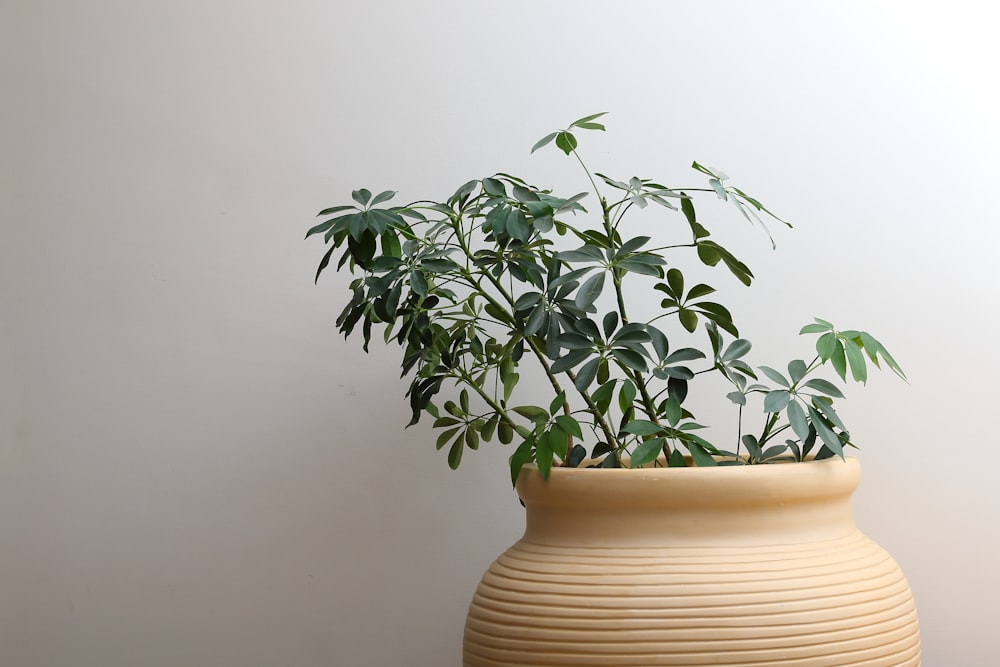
[(647, 541)]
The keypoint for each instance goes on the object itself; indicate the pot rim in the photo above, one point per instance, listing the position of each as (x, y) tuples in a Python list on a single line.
[(692, 487)]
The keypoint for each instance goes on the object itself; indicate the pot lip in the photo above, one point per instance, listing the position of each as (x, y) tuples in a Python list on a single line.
[(692, 487), (785, 468)]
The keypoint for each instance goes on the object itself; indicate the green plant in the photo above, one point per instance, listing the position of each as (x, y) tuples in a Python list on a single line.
[(476, 286)]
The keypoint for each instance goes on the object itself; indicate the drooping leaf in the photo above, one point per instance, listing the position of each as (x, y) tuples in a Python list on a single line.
[(521, 456), (455, 453), (856, 360), (797, 419), (825, 433)]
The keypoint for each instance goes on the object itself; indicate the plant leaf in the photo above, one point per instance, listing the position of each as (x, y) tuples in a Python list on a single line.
[(646, 452)]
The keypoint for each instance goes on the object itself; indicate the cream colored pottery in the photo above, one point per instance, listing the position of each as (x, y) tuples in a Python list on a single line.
[(740, 566)]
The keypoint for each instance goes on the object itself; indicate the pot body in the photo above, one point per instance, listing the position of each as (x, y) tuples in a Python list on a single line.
[(741, 566)]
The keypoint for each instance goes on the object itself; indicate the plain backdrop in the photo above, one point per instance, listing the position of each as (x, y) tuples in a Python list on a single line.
[(196, 470)]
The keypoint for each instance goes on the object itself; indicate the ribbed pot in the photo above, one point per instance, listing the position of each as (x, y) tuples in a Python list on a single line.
[(740, 566)]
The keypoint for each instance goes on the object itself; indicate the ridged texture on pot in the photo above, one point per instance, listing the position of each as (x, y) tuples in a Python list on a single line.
[(766, 568)]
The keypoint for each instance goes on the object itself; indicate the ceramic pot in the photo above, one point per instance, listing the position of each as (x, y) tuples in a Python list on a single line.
[(741, 566)]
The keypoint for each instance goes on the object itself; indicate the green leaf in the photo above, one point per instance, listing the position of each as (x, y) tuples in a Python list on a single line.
[(543, 141), (585, 376), (390, 245), (753, 447), (323, 263), (505, 432), (559, 441), (570, 425), (630, 359), (797, 419), (361, 196), (699, 455), (532, 412), (825, 433), (455, 453), (322, 227), (509, 382), (826, 345), (632, 245), (566, 142), (646, 452), (519, 458), (490, 427), (587, 119), (826, 408), (589, 291), (676, 460), (626, 395), (543, 454), (776, 401), (334, 209), (604, 393), (824, 387), (643, 263), (699, 290), (688, 318), (570, 360), (495, 188), (839, 360), (557, 403), (611, 461), (856, 360), (672, 410), (797, 370), (738, 348), (383, 196), (517, 225), (471, 438), (684, 354), (775, 376), (642, 427), (586, 253), (576, 456), (446, 436), (813, 328), (675, 279), (418, 283)]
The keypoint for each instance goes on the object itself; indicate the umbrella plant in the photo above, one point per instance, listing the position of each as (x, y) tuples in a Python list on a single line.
[(502, 274)]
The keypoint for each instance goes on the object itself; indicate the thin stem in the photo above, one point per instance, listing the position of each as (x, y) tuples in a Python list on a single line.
[(593, 184)]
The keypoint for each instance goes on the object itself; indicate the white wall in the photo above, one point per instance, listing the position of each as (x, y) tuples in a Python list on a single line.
[(196, 470)]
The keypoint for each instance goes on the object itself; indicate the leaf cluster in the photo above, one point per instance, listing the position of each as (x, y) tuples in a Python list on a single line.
[(502, 273)]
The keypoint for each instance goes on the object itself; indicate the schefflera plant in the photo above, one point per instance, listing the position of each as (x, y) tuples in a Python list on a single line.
[(474, 286)]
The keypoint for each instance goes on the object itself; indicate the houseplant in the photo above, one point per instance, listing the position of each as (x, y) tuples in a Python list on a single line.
[(503, 274)]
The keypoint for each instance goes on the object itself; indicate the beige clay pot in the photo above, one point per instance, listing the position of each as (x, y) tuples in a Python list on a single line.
[(740, 566)]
